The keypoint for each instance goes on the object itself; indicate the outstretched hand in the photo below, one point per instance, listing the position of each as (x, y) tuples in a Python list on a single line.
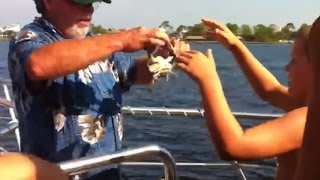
[(141, 38), (220, 32), (180, 46), (175, 47), (198, 66)]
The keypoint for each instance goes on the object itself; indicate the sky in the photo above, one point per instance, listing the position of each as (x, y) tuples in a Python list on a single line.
[(151, 13)]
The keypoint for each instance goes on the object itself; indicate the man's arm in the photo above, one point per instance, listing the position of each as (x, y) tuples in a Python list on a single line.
[(67, 56)]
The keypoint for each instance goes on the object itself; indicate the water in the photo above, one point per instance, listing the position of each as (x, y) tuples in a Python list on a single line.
[(187, 138)]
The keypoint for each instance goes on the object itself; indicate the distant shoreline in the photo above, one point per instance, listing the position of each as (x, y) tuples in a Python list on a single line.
[(204, 42), (5, 39), (245, 42)]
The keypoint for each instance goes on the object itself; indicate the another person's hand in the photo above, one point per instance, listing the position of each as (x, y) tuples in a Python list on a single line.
[(180, 46), (175, 45), (198, 66), (141, 38), (221, 33)]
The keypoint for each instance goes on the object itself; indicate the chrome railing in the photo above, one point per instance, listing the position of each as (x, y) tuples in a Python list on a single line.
[(123, 158), (6, 103), (128, 110), (12, 114), (8, 128), (188, 112), (86, 164)]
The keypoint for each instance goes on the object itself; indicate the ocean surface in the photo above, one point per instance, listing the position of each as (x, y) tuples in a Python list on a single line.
[(185, 137)]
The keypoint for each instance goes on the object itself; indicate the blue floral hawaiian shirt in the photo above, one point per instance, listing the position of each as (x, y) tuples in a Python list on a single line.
[(74, 116)]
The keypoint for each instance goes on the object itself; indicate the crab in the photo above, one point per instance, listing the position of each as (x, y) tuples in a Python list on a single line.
[(159, 66)]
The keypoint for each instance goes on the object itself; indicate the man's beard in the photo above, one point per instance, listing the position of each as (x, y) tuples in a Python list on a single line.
[(77, 33)]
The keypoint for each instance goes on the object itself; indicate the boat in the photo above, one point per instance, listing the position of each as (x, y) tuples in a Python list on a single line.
[(134, 157)]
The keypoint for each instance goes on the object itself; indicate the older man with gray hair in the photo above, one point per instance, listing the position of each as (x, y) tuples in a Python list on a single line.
[(68, 84)]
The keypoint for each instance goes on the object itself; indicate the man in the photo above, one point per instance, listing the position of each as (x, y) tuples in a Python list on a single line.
[(68, 86)]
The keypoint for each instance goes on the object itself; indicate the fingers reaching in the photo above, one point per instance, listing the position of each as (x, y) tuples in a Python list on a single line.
[(187, 54), (183, 59), (196, 64), (210, 34), (180, 46), (209, 54), (212, 23), (182, 66), (188, 48)]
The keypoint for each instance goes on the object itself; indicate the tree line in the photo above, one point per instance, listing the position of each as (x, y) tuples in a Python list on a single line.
[(256, 33)]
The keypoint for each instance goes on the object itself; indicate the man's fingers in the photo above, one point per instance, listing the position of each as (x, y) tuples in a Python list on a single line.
[(157, 42), (174, 41), (159, 34)]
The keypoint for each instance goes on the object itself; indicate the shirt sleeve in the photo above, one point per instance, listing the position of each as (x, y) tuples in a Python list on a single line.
[(21, 47), (125, 66)]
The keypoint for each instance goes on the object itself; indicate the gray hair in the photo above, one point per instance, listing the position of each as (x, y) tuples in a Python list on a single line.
[(40, 6)]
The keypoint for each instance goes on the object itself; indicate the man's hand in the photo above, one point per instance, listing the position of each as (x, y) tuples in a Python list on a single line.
[(176, 46), (141, 38)]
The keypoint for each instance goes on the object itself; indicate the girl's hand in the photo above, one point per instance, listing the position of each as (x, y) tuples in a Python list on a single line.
[(198, 66), (221, 33)]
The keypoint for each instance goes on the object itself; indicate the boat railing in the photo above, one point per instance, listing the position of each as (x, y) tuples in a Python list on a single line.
[(125, 158), (86, 164), (189, 112), (8, 128), (78, 165), (128, 110)]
